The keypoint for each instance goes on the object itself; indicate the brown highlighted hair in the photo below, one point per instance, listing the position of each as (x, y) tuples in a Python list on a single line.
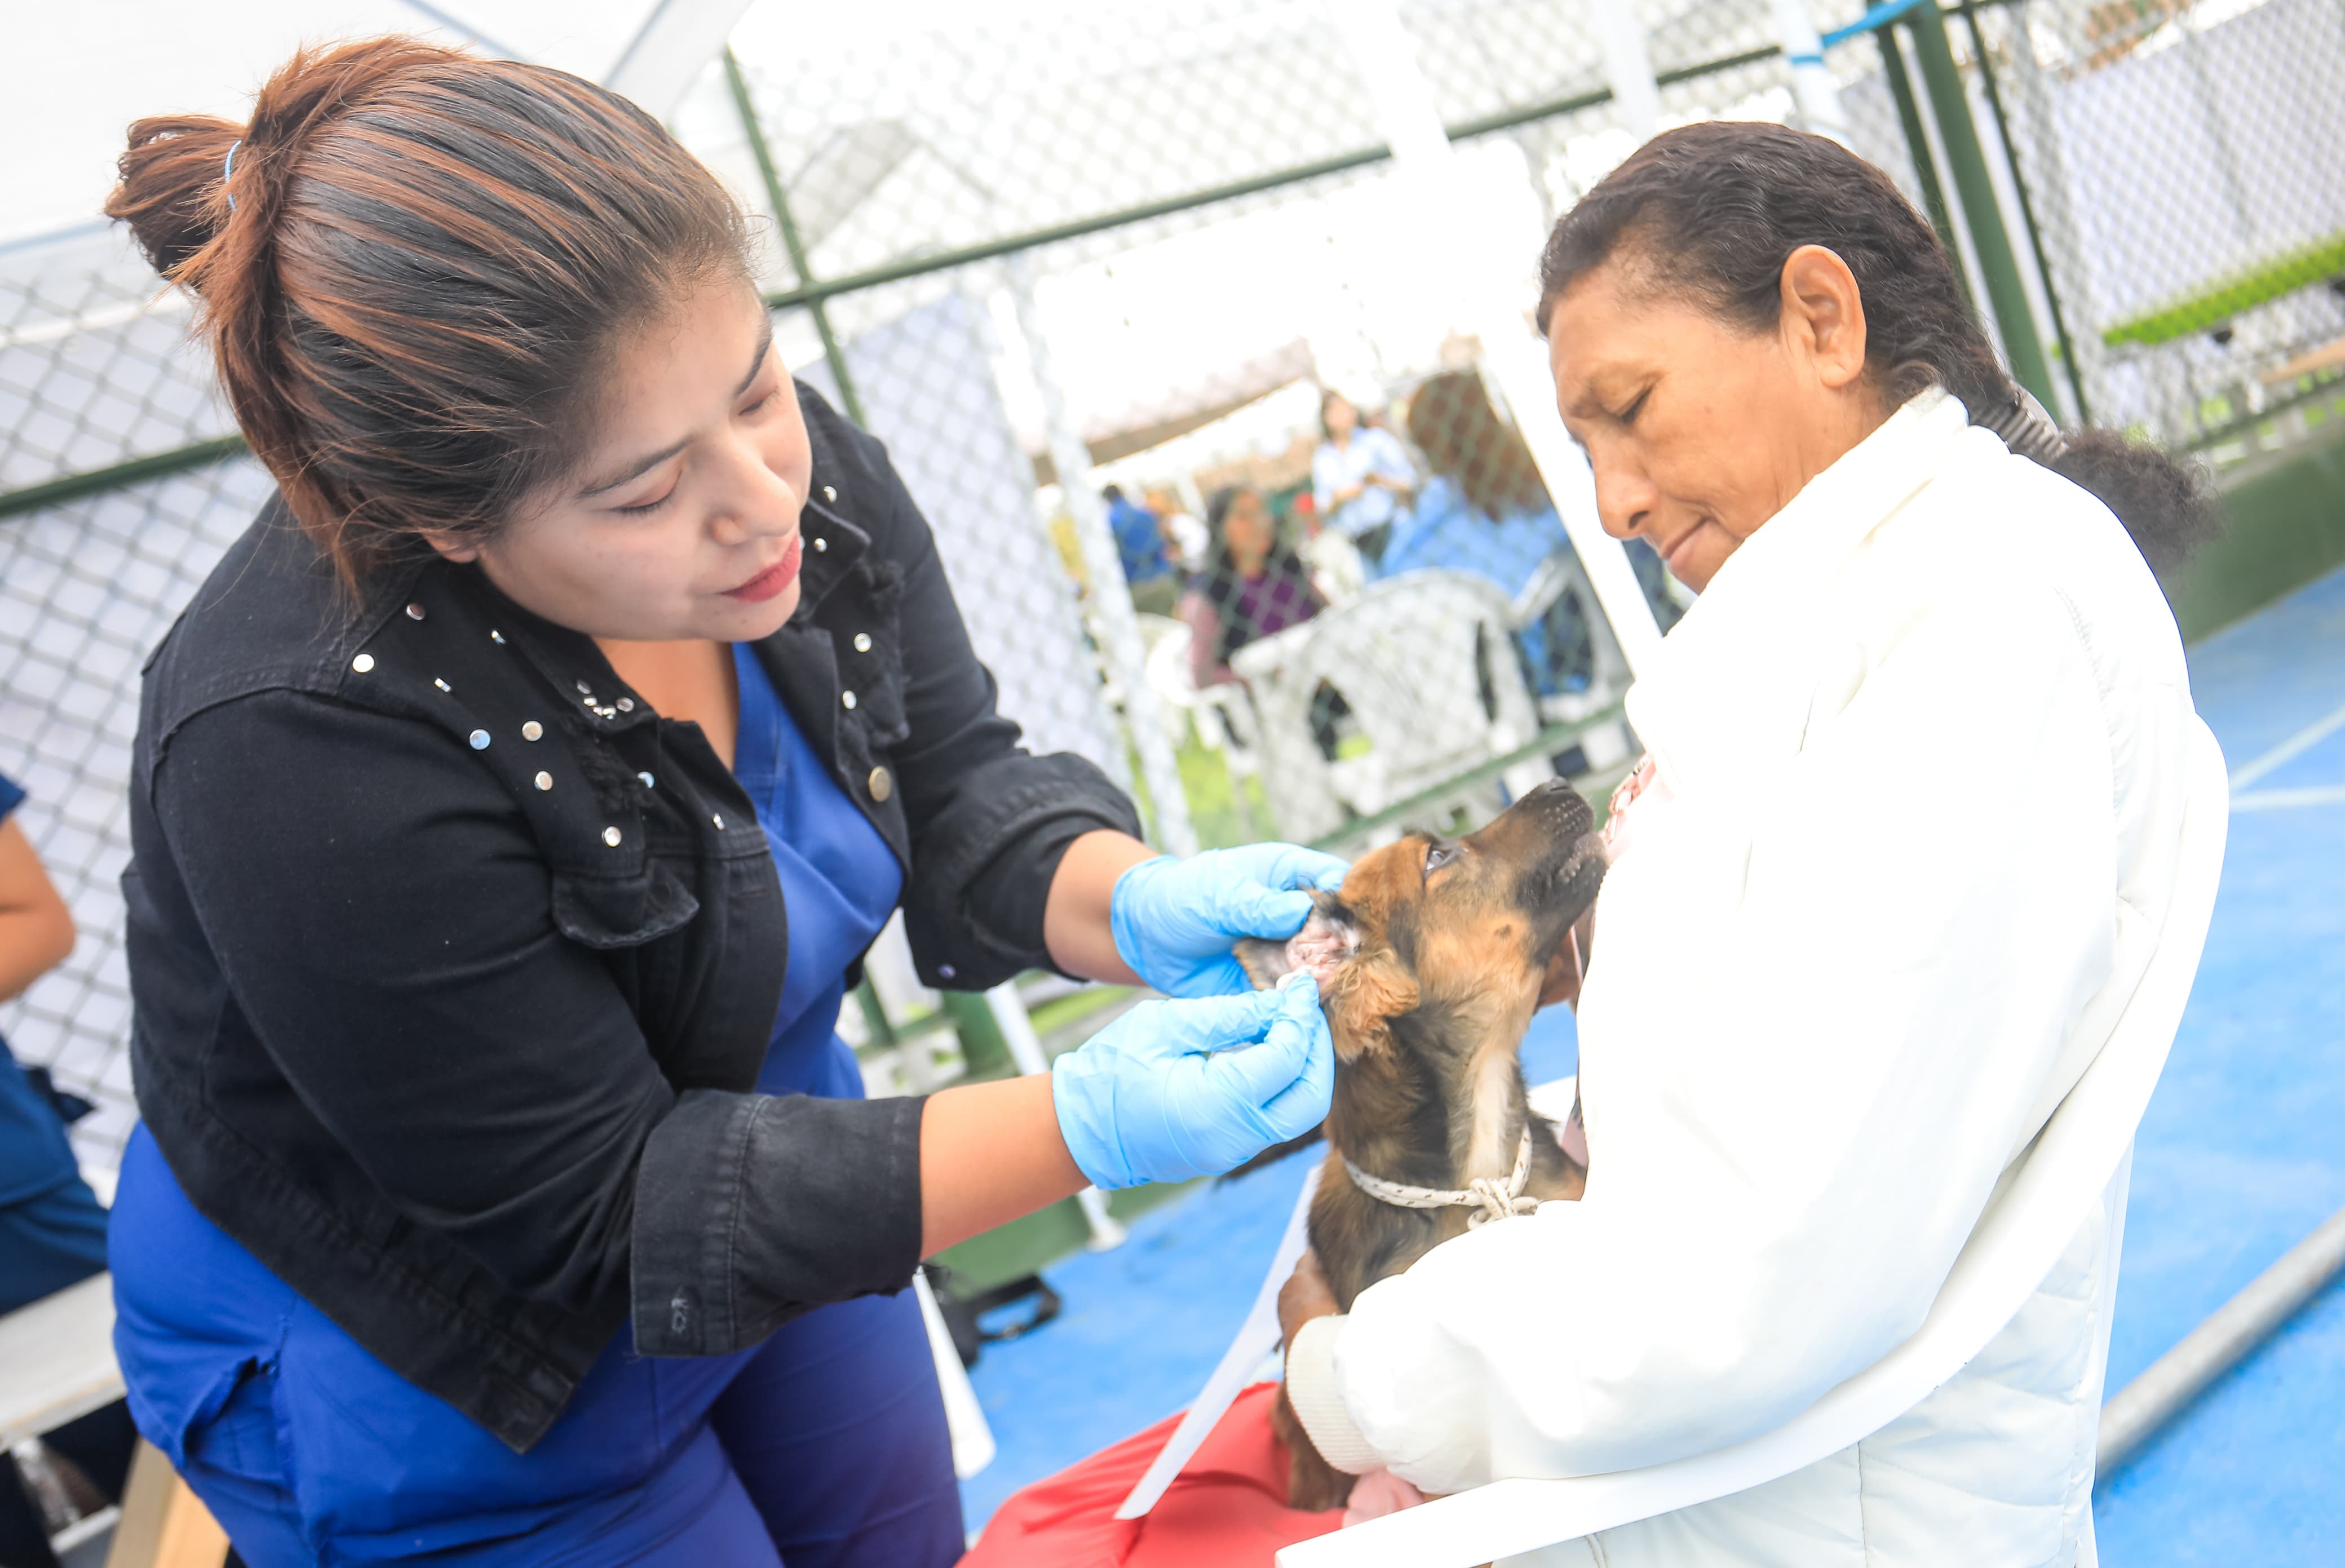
[(1712, 212), (415, 270), (1452, 422)]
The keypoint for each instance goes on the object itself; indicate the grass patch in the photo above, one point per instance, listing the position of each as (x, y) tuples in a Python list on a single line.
[(1060, 1012), (2218, 301)]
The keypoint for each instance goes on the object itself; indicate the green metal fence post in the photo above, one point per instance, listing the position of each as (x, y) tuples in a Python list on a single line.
[(2027, 208), (1917, 143), (113, 476), (981, 1044), (1990, 241), (756, 131), (876, 1021)]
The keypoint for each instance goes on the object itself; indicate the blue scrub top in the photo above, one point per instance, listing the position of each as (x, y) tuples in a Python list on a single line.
[(182, 1356), (839, 883)]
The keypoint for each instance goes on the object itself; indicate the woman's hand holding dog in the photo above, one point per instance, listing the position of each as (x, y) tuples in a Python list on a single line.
[(1174, 920), (1176, 1089)]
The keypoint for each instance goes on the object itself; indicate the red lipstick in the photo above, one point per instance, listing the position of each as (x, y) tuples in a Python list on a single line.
[(771, 580)]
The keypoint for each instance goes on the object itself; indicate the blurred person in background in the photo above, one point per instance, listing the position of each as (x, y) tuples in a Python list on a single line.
[(1361, 479), (52, 1227), (504, 1193), (1140, 547), (1254, 585), (1482, 509), (1187, 538)]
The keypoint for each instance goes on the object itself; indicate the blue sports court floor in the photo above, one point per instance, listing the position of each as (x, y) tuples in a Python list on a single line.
[(2242, 1153)]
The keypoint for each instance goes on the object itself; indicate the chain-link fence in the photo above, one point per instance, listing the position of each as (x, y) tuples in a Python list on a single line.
[(1113, 260), (1165, 346), (95, 373), (2174, 179)]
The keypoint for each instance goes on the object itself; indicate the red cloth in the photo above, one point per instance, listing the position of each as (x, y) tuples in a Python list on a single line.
[(1227, 1509)]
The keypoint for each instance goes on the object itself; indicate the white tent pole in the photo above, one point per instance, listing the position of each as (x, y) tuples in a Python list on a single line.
[(455, 24), (2226, 1337), (973, 1445), (1017, 1027), (1626, 67), (1512, 356), (1811, 80), (1111, 595), (669, 51)]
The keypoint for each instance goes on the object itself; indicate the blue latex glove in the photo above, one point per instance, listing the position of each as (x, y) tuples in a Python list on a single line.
[(1174, 920), (1176, 1089)]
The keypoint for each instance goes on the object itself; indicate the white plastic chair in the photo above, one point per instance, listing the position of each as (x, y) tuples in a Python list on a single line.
[(1425, 664), (1558, 575), (1294, 775), (57, 1363), (1164, 643), (1227, 722), (1221, 716), (1336, 569)]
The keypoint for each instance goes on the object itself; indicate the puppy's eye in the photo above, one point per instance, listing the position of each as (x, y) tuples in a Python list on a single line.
[(1438, 855)]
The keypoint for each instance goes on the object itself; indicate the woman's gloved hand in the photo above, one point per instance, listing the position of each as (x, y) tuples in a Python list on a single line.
[(1174, 920), (1176, 1089)]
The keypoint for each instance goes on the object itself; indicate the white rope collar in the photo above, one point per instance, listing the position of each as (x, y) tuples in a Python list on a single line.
[(1490, 1197)]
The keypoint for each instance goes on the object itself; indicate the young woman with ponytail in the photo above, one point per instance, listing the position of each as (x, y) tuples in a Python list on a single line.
[(511, 811), (1881, 892)]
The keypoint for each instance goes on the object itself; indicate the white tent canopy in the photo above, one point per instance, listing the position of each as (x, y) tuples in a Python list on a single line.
[(85, 71)]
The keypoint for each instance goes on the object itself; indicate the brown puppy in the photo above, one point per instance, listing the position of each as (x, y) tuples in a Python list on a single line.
[(1432, 961)]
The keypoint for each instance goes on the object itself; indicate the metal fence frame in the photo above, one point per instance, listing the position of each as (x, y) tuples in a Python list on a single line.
[(1937, 118)]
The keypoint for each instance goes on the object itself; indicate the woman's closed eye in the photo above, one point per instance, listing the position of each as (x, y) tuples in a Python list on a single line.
[(1627, 416), (645, 509)]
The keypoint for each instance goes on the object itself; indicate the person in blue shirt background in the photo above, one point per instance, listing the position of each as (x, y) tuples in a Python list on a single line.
[(1140, 546), (1484, 510), (1361, 479), (52, 1228)]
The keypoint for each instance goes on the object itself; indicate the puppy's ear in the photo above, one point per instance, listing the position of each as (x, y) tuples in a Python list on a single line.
[(1368, 992), (1324, 941), (1264, 961)]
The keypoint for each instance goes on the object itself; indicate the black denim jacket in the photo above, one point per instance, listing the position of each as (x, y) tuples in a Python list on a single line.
[(454, 963)]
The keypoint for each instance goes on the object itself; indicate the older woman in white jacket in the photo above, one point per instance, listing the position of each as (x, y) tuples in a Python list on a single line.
[(1893, 867)]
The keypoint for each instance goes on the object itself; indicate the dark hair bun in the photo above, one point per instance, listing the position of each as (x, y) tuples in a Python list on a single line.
[(2166, 505), (171, 193)]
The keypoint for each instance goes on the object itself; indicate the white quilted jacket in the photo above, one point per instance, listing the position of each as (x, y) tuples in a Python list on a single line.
[(1922, 762)]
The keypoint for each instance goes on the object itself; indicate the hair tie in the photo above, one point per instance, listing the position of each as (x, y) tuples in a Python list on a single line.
[(2027, 428), (227, 171)]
